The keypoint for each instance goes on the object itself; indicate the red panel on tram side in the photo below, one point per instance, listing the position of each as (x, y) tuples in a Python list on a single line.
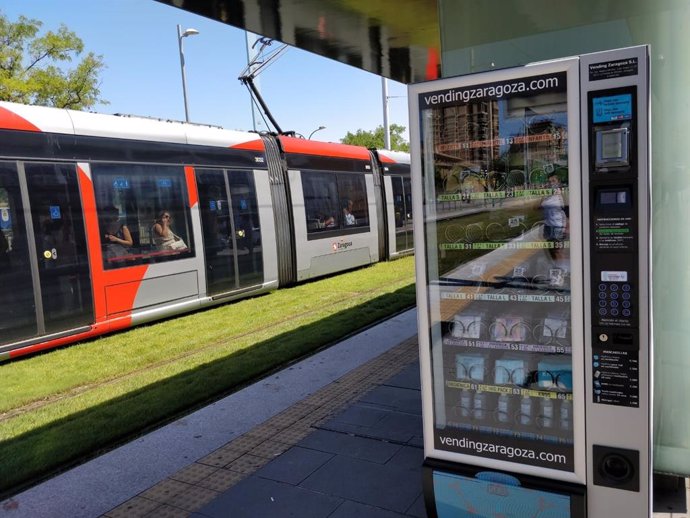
[(130, 277), (327, 149), (10, 120), (192, 191), (121, 294), (93, 239), (251, 145)]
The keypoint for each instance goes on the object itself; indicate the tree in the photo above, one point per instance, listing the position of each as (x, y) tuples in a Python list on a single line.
[(374, 139), (30, 71)]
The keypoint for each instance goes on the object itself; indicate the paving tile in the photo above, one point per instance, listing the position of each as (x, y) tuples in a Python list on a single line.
[(418, 508), (193, 498), (387, 487), (321, 413), (352, 446), (306, 422), (294, 465), (221, 457), (407, 378), (247, 441), (194, 473), (393, 426), (417, 441), (257, 497), (247, 463), (351, 509), (165, 490), (397, 426), (294, 434), (317, 399), (221, 480), (282, 421), (299, 410), (342, 401), (137, 507), (269, 449), (360, 415), (168, 511), (408, 457), (257, 435), (396, 398)]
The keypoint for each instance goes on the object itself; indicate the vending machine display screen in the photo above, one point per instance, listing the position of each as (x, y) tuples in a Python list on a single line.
[(612, 108), (495, 169)]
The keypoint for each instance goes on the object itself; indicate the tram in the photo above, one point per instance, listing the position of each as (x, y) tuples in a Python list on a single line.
[(111, 221)]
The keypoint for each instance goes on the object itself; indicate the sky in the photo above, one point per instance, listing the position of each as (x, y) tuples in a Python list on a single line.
[(138, 42)]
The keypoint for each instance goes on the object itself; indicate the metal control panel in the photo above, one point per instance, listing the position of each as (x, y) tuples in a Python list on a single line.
[(616, 180)]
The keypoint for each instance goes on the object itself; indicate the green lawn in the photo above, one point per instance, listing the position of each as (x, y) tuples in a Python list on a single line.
[(62, 407)]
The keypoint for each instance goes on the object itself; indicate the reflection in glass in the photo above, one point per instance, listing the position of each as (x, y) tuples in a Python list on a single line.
[(496, 182)]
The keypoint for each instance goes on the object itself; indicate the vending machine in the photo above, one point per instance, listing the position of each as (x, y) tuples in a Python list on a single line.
[(532, 239)]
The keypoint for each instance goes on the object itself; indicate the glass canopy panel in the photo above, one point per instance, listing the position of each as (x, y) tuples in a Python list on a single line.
[(479, 36)]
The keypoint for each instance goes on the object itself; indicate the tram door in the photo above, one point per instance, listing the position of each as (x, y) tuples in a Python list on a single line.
[(63, 285), (232, 237), (402, 205), (17, 304)]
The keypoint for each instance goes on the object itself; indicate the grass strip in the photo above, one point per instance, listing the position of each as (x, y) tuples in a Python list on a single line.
[(65, 406)]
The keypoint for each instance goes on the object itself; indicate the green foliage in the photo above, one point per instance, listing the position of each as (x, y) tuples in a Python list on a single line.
[(374, 139), (31, 71)]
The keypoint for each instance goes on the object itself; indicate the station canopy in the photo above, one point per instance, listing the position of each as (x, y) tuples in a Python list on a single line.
[(398, 39), (407, 40)]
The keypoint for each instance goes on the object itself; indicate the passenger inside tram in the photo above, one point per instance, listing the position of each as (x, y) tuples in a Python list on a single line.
[(163, 236), (348, 218), (116, 236)]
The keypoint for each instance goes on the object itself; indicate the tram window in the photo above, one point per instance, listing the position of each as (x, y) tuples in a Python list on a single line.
[(143, 214), (320, 201), (334, 201), (398, 201), (353, 200)]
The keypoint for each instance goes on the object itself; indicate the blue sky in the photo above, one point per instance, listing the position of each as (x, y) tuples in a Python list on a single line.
[(138, 42)]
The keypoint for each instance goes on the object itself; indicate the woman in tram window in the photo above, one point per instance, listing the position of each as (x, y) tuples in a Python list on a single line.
[(116, 236), (163, 236)]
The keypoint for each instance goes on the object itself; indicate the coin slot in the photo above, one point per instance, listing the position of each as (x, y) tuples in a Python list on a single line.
[(616, 468)]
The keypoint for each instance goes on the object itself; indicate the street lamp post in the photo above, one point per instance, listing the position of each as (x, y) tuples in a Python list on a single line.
[(317, 129), (386, 126), (180, 35)]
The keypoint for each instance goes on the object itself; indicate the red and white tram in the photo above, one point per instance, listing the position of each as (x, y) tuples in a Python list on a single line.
[(84, 249)]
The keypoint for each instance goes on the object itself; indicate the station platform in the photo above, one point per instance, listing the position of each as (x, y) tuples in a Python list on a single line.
[(337, 435)]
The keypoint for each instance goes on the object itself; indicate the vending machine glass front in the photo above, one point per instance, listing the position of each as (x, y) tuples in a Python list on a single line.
[(498, 188)]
